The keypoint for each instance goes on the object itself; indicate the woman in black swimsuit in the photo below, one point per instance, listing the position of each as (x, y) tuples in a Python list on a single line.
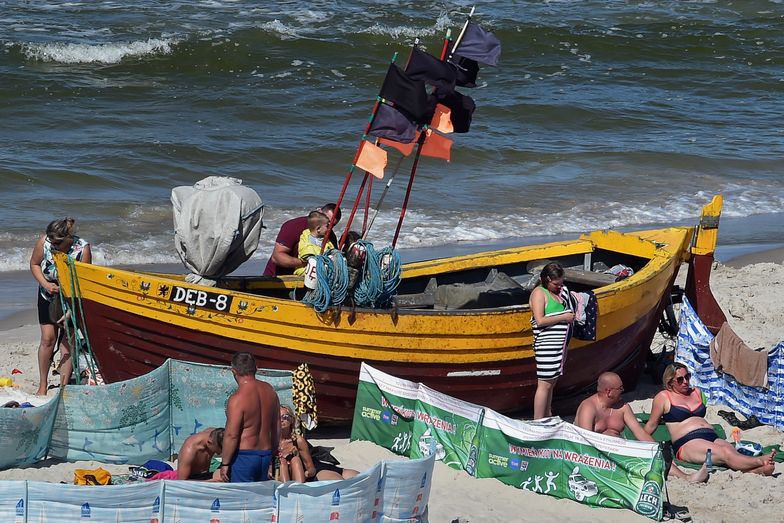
[(682, 407), (297, 461)]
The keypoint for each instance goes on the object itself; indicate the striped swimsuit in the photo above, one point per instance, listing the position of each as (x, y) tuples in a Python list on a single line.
[(550, 342)]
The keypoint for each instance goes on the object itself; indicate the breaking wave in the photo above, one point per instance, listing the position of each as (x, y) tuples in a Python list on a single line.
[(110, 53)]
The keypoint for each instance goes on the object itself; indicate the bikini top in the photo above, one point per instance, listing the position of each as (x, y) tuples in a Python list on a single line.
[(680, 413), (552, 306)]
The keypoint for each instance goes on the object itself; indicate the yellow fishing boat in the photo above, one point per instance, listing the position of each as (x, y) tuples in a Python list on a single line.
[(481, 352)]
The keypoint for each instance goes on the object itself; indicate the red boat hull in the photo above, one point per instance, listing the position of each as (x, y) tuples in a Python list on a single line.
[(132, 345)]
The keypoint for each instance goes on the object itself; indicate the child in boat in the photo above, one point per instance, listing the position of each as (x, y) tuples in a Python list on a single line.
[(311, 238)]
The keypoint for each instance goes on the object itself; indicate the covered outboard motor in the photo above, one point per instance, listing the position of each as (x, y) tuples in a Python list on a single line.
[(217, 224)]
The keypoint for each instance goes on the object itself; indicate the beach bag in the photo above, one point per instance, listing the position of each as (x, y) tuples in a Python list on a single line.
[(97, 476), (157, 465), (55, 310)]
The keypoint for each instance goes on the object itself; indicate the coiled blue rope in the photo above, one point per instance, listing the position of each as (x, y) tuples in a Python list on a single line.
[(375, 290), (339, 277), (370, 286), (379, 283), (331, 281), (390, 276)]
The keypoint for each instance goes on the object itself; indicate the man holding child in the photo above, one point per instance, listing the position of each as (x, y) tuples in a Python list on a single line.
[(285, 258)]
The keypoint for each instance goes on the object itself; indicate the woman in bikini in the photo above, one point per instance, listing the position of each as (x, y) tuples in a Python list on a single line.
[(551, 319), (296, 460), (682, 407)]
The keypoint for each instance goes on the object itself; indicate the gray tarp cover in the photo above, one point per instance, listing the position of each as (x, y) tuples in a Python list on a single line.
[(217, 223)]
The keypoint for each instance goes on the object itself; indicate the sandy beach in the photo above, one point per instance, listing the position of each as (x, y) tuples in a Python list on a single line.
[(749, 291)]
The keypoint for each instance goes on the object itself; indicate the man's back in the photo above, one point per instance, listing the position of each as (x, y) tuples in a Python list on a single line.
[(258, 402), (195, 456), (252, 425)]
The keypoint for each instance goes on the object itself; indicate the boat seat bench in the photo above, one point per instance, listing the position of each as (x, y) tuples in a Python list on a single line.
[(433, 294), (575, 275), (588, 278)]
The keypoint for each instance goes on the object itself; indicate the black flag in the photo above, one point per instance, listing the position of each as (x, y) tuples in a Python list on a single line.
[(462, 107), (477, 44), (431, 70), (407, 94), (466, 70), (392, 124)]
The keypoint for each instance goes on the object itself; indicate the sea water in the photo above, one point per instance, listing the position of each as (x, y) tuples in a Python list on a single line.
[(600, 114)]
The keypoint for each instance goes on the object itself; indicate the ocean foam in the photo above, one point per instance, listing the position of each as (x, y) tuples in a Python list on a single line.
[(400, 32), (112, 53), (431, 229), (283, 30)]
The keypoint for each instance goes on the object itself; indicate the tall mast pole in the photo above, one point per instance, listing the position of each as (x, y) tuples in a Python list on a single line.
[(351, 170)]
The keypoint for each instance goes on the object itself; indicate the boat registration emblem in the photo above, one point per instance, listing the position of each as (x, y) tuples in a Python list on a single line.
[(198, 298)]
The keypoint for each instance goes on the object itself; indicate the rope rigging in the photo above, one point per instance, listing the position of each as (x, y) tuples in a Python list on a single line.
[(73, 330), (377, 277), (331, 281)]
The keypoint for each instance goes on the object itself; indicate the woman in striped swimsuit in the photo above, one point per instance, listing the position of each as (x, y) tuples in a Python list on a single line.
[(552, 314)]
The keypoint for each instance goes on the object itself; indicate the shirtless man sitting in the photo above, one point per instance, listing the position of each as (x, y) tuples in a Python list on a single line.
[(605, 413), (252, 425), (193, 461)]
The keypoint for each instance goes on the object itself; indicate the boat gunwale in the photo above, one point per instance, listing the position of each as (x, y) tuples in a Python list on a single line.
[(662, 254)]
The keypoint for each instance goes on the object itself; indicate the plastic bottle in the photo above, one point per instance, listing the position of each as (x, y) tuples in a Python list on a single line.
[(709, 460)]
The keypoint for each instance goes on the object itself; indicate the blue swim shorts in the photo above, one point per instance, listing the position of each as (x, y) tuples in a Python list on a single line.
[(250, 465)]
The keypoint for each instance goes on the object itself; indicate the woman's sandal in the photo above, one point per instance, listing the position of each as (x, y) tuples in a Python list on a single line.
[(732, 419), (675, 513)]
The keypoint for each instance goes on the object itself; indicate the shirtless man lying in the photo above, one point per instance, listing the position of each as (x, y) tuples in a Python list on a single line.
[(605, 413)]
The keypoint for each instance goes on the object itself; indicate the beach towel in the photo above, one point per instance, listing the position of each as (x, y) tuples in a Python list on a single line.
[(661, 434), (303, 392), (157, 465), (729, 354), (586, 312), (164, 474), (97, 476), (693, 351)]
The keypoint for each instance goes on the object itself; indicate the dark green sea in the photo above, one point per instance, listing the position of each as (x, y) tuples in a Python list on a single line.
[(600, 114)]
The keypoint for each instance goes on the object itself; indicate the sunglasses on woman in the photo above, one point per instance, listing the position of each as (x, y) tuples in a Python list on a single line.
[(685, 377), (285, 417)]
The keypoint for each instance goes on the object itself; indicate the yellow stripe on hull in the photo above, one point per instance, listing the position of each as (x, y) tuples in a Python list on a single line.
[(416, 336)]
